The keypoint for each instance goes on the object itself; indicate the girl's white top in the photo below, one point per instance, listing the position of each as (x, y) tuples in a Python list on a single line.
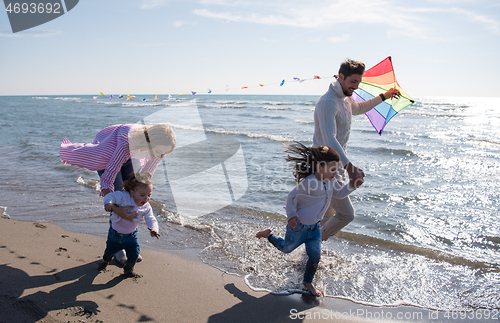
[(123, 198), (310, 199)]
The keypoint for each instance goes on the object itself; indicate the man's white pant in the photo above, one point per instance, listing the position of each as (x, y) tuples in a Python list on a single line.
[(339, 214)]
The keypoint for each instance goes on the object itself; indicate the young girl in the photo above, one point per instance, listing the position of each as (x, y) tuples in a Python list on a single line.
[(122, 233), (315, 170)]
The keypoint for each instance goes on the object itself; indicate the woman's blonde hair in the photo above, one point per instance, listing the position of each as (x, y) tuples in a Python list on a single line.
[(151, 136)]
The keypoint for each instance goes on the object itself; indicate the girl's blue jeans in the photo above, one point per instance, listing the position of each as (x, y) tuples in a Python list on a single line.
[(308, 234), (118, 241)]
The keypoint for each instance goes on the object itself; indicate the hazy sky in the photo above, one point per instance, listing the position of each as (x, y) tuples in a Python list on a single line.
[(439, 47)]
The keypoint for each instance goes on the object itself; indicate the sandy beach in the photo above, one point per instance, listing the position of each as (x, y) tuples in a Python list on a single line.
[(48, 274)]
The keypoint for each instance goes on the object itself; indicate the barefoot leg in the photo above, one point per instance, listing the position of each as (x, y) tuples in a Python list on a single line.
[(263, 234), (310, 287)]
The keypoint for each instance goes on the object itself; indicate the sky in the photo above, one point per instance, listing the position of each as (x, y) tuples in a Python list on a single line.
[(438, 47)]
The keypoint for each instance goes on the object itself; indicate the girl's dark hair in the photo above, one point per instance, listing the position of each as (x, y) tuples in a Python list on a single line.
[(136, 180), (305, 159)]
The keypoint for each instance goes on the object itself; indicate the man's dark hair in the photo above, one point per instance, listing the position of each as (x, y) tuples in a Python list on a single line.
[(350, 67)]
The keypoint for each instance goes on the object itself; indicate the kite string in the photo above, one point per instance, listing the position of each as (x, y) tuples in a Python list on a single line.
[(295, 80)]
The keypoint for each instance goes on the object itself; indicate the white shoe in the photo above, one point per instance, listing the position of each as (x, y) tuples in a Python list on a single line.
[(121, 257)]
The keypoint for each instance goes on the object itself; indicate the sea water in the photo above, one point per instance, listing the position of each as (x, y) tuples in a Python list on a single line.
[(426, 231)]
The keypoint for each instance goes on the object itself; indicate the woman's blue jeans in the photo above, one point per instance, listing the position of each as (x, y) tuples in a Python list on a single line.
[(118, 241), (308, 234), (124, 174)]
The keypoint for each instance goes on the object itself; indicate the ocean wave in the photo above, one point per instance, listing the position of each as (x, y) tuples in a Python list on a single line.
[(493, 242), (278, 138), (66, 98), (183, 221), (92, 183), (306, 122), (422, 251), (436, 114), (143, 104), (394, 151), (489, 141), (277, 108), (274, 102), (446, 106), (174, 100), (116, 103), (230, 102), (223, 106)]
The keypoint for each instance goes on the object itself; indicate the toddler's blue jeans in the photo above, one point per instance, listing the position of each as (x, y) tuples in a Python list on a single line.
[(118, 241)]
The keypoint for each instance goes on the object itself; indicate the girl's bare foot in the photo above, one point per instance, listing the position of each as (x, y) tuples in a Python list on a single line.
[(263, 234), (310, 287)]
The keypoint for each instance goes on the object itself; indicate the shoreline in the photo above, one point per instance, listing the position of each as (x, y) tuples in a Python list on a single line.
[(49, 274)]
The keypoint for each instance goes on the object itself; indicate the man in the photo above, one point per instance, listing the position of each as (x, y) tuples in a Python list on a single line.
[(332, 126)]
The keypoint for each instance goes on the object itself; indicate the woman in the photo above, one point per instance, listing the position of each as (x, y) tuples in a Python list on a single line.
[(120, 150)]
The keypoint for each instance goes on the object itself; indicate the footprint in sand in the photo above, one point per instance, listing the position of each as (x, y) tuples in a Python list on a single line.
[(66, 236)]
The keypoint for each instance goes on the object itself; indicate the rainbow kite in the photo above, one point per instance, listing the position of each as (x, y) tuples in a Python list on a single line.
[(376, 80)]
